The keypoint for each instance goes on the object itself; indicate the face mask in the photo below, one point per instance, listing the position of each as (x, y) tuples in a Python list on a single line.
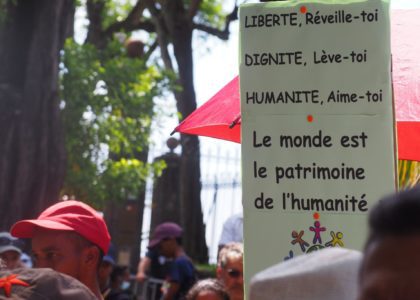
[(125, 285)]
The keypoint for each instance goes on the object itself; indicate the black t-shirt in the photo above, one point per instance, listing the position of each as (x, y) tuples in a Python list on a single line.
[(159, 265)]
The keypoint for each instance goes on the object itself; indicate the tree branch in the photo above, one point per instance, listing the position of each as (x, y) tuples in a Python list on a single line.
[(95, 34), (162, 34), (132, 22), (150, 50), (221, 34), (146, 25)]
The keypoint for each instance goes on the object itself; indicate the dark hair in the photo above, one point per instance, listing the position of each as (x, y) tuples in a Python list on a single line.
[(117, 273), (211, 285), (397, 214)]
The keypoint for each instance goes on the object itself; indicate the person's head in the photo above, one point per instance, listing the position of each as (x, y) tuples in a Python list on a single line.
[(2, 265), (104, 272), (207, 289), (69, 237), (167, 238), (327, 274), (42, 284), (391, 264), (26, 260), (230, 269), (119, 278), (10, 250)]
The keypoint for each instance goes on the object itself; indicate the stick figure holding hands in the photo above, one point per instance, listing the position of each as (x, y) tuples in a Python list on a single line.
[(298, 239), (336, 239), (317, 230)]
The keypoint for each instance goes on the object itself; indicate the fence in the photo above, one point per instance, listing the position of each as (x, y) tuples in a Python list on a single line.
[(221, 189), (148, 290)]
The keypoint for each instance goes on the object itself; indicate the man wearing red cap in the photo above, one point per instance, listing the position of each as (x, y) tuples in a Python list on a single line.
[(69, 237)]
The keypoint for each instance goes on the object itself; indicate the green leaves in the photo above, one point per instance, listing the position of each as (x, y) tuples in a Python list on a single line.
[(115, 11), (211, 13), (107, 101)]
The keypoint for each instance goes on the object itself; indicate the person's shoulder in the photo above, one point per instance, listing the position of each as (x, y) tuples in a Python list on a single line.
[(185, 263), (235, 218), (183, 259)]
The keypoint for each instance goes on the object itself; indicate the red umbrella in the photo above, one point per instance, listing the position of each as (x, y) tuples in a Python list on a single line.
[(220, 117), (406, 80)]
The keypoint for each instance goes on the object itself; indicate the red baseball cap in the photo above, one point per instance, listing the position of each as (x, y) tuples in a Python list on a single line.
[(70, 215)]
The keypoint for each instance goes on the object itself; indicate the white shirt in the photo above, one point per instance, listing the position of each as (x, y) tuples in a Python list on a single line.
[(233, 230)]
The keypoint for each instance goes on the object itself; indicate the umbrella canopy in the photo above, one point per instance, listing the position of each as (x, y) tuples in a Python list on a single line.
[(406, 80), (219, 117)]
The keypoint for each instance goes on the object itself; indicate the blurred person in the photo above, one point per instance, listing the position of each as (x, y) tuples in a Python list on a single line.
[(233, 231), (143, 267), (167, 237), (207, 289), (69, 237), (230, 270), (2, 265), (10, 250), (326, 274), (104, 274), (119, 284), (41, 284), (391, 264), (153, 266), (26, 260)]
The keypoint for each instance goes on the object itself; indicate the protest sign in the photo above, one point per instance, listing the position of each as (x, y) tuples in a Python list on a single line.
[(318, 145)]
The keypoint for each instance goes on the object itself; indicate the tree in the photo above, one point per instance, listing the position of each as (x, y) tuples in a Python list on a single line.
[(32, 151), (107, 100), (175, 21), (172, 22), (107, 106), (33, 164)]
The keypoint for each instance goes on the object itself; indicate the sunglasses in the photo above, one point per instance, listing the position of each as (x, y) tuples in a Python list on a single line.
[(234, 273), (4, 241)]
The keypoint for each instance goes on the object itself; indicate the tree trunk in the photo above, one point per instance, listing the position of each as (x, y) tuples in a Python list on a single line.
[(95, 34), (180, 28), (32, 153), (166, 202)]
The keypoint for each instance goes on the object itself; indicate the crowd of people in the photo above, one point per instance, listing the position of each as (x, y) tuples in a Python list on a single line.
[(70, 244), (166, 260), (70, 238)]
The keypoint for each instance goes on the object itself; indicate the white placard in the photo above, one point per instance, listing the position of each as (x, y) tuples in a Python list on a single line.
[(317, 125)]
